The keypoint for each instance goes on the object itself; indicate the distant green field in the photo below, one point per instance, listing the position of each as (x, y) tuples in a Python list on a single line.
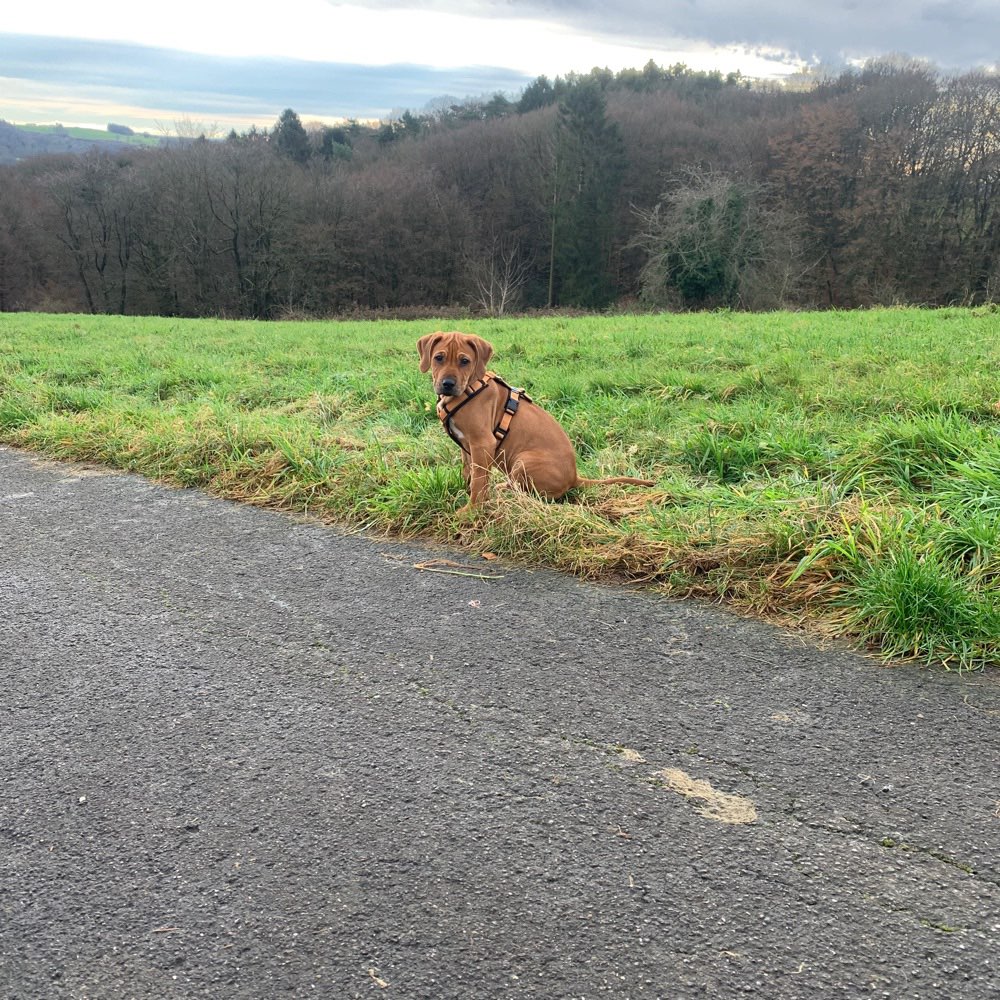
[(836, 471), (92, 134)]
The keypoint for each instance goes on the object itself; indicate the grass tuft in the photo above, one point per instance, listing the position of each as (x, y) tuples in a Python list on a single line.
[(916, 604)]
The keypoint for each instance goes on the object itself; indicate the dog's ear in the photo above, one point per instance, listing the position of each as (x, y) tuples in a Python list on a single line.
[(483, 349), (425, 346)]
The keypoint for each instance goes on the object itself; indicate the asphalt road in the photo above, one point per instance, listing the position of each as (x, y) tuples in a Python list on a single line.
[(245, 755)]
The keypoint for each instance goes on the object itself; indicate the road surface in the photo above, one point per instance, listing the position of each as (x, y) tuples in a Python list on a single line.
[(248, 756)]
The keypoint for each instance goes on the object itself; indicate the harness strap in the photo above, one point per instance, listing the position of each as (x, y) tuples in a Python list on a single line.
[(445, 414), (513, 401), (509, 410)]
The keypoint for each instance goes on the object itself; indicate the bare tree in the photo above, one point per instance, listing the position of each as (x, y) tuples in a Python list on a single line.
[(97, 198), (248, 204), (498, 274), (22, 253)]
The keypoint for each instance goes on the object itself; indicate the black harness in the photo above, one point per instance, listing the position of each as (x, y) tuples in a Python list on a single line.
[(514, 398)]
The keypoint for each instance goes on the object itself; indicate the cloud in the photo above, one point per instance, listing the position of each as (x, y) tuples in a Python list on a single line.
[(532, 36), (233, 90), (959, 34), (532, 39), (239, 62)]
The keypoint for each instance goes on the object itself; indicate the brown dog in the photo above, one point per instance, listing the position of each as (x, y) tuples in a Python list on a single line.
[(497, 425)]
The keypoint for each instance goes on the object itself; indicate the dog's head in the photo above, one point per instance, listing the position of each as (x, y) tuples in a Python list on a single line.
[(455, 360)]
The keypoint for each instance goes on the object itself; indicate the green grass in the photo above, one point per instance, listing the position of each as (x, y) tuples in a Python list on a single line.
[(92, 134), (837, 471)]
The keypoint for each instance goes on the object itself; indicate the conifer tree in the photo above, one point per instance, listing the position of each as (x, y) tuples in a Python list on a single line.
[(290, 138), (590, 159)]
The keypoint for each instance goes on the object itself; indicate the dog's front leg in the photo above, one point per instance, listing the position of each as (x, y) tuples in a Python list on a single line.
[(478, 462)]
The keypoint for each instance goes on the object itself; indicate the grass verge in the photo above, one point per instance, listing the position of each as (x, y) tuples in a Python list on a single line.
[(838, 471)]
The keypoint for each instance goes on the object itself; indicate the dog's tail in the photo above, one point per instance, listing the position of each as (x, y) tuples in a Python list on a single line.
[(614, 479)]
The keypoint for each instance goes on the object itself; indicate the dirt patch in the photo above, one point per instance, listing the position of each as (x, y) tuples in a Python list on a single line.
[(708, 801), (793, 717), (70, 471)]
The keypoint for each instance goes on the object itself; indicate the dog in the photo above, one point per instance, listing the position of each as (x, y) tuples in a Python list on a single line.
[(497, 425)]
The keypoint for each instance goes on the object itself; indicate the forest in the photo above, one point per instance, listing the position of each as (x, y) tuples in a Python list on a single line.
[(656, 188)]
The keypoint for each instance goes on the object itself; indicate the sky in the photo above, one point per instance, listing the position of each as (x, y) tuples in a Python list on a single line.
[(221, 64)]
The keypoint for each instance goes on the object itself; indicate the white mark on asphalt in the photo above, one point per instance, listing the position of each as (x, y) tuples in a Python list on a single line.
[(792, 717), (377, 979), (709, 802)]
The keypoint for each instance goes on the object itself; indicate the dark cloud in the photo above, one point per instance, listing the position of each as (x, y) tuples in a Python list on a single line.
[(959, 34), (222, 89)]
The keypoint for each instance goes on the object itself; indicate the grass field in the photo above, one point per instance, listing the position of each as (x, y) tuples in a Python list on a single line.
[(837, 471), (92, 134)]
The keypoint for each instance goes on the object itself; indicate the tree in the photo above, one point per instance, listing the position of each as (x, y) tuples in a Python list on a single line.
[(498, 107), (22, 256), (179, 254), (713, 241), (96, 198), (888, 175), (538, 94), (290, 137), (499, 272), (247, 200), (966, 153), (401, 236), (817, 166), (410, 125), (587, 170), (332, 143)]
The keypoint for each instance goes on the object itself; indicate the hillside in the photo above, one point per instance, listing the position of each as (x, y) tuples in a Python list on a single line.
[(18, 142)]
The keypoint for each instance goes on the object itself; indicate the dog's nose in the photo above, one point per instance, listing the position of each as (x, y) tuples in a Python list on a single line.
[(447, 386)]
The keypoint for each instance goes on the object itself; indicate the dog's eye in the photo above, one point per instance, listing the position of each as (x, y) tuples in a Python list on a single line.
[(463, 362), (439, 359)]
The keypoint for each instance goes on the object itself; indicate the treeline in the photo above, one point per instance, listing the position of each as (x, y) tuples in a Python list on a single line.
[(654, 187)]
